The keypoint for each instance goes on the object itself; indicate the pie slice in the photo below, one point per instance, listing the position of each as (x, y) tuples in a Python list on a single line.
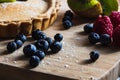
[(26, 15)]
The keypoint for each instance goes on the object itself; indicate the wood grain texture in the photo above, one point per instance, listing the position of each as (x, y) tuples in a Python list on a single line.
[(71, 63)]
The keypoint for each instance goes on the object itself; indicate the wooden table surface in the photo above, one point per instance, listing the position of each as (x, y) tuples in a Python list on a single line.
[(72, 62)]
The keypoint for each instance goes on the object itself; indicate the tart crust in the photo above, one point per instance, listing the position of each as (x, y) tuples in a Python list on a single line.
[(10, 28)]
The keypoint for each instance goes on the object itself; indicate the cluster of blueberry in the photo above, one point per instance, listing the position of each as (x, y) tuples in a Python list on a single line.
[(17, 43), (67, 19), (93, 37), (36, 51), (35, 55), (41, 46)]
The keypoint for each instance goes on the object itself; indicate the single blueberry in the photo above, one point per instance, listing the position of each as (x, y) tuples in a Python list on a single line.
[(49, 40), (69, 13), (34, 34), (56, 46), (34, 61), (40, 54), (11, 47), (66, 18), (38, 34), (94, 38), (94, 55), (21, 37), (42, 35), (88, 28), (105, 39), (29, 50), (42, 45), (67, 24), (58, 37), (19, 43)]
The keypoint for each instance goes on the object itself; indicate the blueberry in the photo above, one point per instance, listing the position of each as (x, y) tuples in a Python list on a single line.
[(49, 40), (42, 45), (58, 37), (40, 54), (69, 13), (56, 46), (36, 31), (67, 24), (34, 61), (11, 46), (19, 43), (88, 28), (94, 55), (29, 50), (105, 39), (66, 18), (21, 37), (35, 34), (94, 38), (38, 34)]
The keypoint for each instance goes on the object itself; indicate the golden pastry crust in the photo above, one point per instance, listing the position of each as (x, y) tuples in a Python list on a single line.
[(15, 19)]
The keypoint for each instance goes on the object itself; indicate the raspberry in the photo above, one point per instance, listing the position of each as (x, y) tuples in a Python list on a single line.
[(103, 25), (116, 36), (115, 18)]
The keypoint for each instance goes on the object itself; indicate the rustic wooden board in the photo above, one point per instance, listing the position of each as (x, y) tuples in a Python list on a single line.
[(72, 62)]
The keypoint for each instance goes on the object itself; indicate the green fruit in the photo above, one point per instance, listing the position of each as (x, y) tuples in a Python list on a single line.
[(1, 1), (93, 8), (86, 8), (109, 5)]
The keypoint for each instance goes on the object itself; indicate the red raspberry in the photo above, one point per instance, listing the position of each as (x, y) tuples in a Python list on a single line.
[(116, 36), (103, 25), (115, 18)]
